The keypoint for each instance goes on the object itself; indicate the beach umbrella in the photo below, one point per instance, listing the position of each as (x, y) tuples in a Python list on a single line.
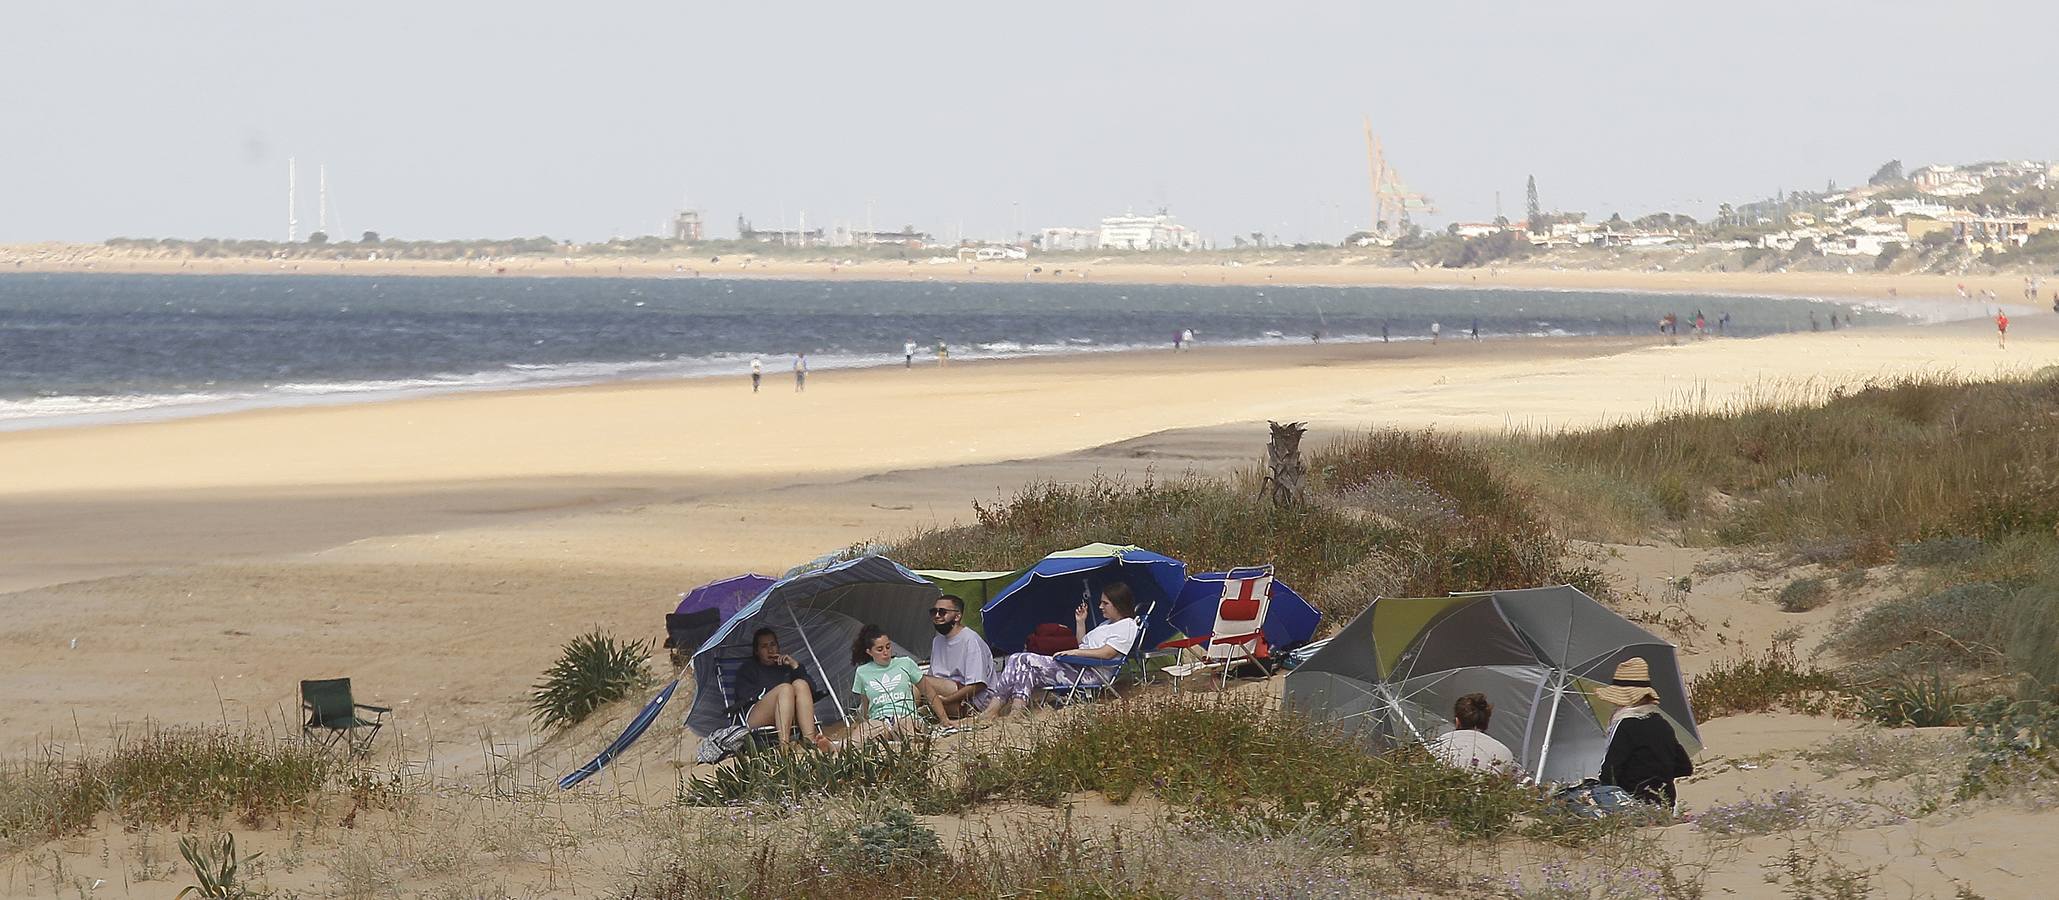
[(1289, 620), (816, 613), (975, 588), (705, 608), (1056, 585), (1391, 675), (726, 596)]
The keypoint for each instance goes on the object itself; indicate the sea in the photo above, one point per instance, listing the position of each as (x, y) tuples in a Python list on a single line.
[(92, 348)]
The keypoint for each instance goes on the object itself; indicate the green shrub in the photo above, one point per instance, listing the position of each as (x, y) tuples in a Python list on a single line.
[(2011, 741), (1804, 594), (1939, 551), (594, 670), (1924, 701), (217, 868), (1757, 684), (1917, 632), (895, 842)]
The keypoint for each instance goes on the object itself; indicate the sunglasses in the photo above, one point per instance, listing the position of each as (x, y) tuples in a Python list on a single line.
[(941, 611)]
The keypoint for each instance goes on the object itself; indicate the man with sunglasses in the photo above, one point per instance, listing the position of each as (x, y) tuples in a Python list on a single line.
[(961, 665)]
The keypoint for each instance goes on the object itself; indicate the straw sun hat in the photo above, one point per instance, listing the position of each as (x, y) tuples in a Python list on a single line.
[(1631, 686)]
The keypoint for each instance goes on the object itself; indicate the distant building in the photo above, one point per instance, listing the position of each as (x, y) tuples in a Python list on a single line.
[(687, 227), (906, 237), (1058, 240), (1478, 229), (1946, 181), (1159, 232), (790, 238)]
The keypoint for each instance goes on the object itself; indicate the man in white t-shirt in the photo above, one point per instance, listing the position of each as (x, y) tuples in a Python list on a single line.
[(961, 665), (1468, 746)]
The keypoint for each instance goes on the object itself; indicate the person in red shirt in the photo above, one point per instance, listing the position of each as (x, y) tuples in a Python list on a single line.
[(2002, 330)]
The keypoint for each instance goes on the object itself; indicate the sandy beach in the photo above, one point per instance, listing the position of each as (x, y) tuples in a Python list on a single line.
[(235, 554), (439, 550)]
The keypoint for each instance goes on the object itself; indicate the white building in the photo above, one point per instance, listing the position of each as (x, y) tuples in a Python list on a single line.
[(1056, 240), (1159, 232)]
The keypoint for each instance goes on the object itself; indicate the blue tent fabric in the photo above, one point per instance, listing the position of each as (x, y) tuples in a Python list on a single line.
[(1059, 583), (817, 613), (637, 727), (725, 596), (1289, 622)]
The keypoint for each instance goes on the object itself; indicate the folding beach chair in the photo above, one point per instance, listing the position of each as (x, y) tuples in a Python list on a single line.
[(330, 709), (1105, 672), (1238, 636)]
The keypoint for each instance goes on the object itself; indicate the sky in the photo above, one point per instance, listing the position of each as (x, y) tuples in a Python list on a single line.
[(458, 119)]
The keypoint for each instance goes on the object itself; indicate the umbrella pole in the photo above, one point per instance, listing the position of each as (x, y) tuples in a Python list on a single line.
[(818, 666), (1551, 721)]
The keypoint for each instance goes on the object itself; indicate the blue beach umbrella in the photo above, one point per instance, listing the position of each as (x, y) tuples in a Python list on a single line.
[(1060, 582)]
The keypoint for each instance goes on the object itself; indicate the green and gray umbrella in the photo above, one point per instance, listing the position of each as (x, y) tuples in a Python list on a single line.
[(1392, 674)]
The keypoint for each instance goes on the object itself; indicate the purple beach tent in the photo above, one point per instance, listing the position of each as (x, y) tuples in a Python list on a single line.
[(705, 608)]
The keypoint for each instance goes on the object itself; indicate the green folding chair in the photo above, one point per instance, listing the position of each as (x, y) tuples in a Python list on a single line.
[(330, 709)]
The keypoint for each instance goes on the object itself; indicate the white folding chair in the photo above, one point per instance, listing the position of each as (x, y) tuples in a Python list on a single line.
[(1238, 636)]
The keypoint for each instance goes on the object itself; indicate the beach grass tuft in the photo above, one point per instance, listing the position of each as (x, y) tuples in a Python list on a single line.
[(162, 776), (594, 670)]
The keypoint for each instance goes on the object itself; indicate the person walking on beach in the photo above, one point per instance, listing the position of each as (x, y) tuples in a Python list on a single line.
[(1813, 324), (1476, 328), (908, 355), (757, 373), (1187, 338), (800, 372), (2002, 330), (1176, 341), (1436, 330), (1383, 331), (943, 353)]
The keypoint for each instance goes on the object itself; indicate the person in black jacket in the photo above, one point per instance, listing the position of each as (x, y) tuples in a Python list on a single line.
[(1643, 756), (772, 689)]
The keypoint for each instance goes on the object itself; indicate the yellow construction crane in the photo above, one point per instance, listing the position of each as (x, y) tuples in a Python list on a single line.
[(1390, 195)]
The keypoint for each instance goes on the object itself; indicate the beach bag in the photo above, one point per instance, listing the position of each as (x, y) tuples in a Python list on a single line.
[(722, 744), (1050, 638)]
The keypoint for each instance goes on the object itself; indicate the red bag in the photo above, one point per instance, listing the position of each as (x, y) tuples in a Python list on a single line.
[(1050, 638)]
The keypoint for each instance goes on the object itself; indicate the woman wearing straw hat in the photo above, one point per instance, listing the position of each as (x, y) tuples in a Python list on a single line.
[(1643, 756)]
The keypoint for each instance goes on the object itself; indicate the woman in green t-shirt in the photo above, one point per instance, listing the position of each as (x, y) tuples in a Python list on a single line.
[(886, 685)]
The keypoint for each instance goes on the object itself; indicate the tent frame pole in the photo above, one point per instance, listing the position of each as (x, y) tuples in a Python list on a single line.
[(818, 667)]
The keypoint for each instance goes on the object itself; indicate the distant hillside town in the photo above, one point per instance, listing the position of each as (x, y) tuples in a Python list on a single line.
[(1935, 218)]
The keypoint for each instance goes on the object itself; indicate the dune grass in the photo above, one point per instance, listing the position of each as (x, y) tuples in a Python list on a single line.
[(1888, 463), (1392, 513), (162, 776)]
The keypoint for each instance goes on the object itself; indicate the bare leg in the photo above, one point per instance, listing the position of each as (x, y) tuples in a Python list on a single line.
[(933, 689), (804, 713), (785, 701)]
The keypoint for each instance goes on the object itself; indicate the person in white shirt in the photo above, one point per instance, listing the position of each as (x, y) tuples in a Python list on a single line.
[(961, 665), (1468, 746), (908, 355), (757, 373), (1112, 639)]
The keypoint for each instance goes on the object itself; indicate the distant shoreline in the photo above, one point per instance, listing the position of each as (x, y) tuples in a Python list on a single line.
[(1872, 286)]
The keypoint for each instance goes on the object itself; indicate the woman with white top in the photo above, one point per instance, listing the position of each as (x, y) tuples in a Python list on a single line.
[(1112, 639)]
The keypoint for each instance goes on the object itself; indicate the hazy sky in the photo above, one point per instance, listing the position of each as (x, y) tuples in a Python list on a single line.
[(584, 121)]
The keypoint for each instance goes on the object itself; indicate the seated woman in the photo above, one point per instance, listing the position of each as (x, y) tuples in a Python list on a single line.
[(886, 686), (1643, 756), (775, 690), (1026, 672)]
